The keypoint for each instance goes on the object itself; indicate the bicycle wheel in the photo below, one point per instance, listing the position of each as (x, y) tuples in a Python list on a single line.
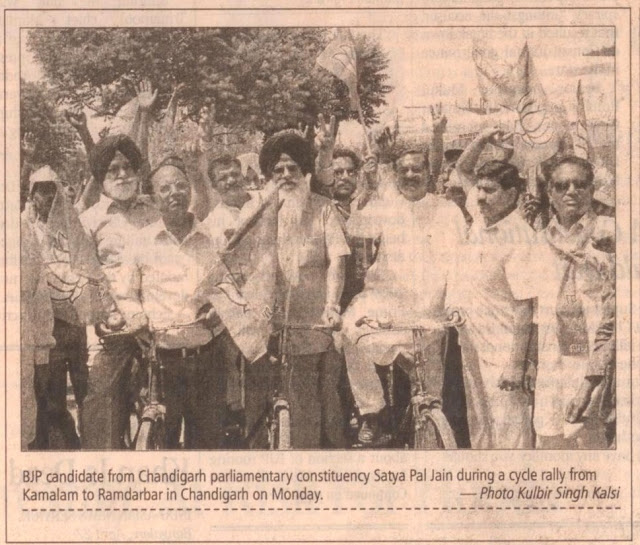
[(150, 435), (283, 429), (432, 431)]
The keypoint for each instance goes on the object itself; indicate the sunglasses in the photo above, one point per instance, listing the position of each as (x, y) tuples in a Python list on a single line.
[(563, 187), (293, 169)]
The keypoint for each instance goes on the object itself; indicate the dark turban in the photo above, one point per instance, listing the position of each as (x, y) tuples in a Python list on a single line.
[(291, 143), (104, 151)]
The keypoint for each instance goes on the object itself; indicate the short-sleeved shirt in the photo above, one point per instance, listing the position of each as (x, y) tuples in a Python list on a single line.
[(321, 241), (160, 275), (112, 226), (491, 275)]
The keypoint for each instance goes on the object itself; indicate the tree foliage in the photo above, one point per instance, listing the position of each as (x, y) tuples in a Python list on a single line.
[(54, 139), (261, 79)]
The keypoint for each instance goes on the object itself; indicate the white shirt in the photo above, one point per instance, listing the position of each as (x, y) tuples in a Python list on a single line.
[(418, 244), (490, 276), (160, 276)]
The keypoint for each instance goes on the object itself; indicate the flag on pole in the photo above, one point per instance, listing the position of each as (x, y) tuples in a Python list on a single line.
[(582, 143), (339, 58), (76, 283), (539, 128), (241, 286)]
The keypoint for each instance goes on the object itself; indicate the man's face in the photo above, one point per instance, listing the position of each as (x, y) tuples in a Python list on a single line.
[(121, 181), (230, 184), (172, 192), (570, 193), (345, 178), (493, 200), (69, 191), (42, 197), (412, 176), (288, 170)]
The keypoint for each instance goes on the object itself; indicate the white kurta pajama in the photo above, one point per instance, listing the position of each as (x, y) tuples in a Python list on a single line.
[(560, 375), (491, 277), (406, 284)]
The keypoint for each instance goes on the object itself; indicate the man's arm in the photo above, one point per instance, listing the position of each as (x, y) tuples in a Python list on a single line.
[(128, 290), (513, 374), (335, 285), (146, 99), (436, 151), (466, 163), (78, 120), (325, 143)]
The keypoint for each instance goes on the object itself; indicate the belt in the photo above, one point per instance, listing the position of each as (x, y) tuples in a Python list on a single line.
[(183, 353)]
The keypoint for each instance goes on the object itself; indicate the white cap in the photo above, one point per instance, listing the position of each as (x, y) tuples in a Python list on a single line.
[(43, 174)]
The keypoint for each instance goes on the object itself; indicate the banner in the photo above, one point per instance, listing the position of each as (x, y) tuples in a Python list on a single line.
[(539, 128), (339, 58), (241, 286)]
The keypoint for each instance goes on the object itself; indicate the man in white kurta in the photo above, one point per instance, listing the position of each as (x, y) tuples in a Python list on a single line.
[(419, 235), (573, 276), (493, 289)]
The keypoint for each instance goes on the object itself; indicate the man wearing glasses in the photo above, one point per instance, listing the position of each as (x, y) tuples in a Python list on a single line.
[(571, 276)]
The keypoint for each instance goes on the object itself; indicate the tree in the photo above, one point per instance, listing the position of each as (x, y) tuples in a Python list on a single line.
[(260, 79), (53, 141)]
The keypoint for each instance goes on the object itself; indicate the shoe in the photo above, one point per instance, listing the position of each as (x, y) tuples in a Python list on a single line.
[(369, 430)]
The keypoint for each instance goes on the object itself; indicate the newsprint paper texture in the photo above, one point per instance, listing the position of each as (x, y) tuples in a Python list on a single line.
[(149, 189)]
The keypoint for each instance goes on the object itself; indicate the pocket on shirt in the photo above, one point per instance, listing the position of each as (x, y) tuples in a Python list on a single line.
[(312, 251)]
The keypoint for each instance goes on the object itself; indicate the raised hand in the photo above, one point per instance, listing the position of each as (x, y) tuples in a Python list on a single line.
[(76, 117), (326, 135), (146, 95), (438, 119), (304, 130), (28, 144), (497, 136)]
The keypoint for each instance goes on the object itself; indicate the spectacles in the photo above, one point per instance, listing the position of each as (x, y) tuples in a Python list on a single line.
[(293, 169), (563, 187), (343, 171)]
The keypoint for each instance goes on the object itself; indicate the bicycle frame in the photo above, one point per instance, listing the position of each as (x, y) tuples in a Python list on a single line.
[(280, 400), (421, 399)]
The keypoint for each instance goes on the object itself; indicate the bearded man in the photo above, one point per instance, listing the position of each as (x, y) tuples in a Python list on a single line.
[(311, 256)]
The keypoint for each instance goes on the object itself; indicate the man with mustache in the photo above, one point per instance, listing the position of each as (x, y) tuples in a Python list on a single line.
[(112, 222), (161, 273), (311, 256), (225, 173), (346, 197), (492, 288), (419, 234), (572, 277)]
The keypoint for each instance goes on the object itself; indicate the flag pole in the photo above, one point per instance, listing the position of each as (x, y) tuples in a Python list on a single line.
[(364, 127)]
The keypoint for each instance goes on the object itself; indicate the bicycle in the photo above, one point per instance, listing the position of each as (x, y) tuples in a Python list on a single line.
[(150, 407), (279, 417), (423, 425)]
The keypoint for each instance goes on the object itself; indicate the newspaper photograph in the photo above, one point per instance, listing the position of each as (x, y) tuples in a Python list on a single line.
[(320, 274)]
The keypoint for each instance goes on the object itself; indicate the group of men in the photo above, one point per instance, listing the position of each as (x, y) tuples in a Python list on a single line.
[(537, 342)]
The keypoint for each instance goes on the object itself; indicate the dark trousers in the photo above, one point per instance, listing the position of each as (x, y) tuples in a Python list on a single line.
[(55, 427), (107, 407), (317, 414), (194, 390)]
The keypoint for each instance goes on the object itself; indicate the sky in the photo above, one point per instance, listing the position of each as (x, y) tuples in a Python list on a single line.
[(431, 65)]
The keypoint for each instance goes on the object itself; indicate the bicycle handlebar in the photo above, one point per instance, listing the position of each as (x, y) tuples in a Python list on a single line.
[(454, 319), (153, 330)]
